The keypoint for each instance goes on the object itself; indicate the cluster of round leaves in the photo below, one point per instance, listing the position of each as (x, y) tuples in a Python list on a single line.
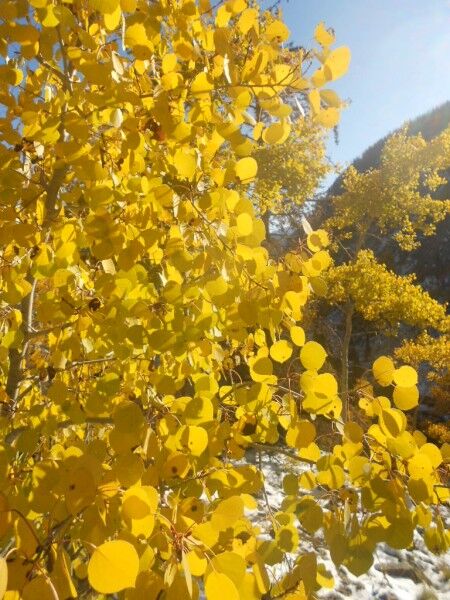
[(145, 333), (433, 351)]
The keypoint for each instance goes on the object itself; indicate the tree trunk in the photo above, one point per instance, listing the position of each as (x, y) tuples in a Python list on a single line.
[(345, 359)]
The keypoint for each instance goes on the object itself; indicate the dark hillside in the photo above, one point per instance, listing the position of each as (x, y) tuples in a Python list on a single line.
[(429, 125)]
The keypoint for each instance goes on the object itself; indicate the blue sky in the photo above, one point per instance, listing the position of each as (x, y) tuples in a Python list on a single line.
[(400, 61)]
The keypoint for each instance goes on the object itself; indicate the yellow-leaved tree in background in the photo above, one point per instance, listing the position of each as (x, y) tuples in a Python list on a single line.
[(391, 204), (145, 331)]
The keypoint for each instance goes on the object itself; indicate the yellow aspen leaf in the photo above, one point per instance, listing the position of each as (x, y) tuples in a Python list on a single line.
[(227, 510), (10, 75), (433, 453), (39, 587), (261, 370), (61, 575), (80, 490), (301, 434), (297, 334), (113, 567), (50, 17), (249, 501), (404, 445), (337, 62), (187, 575), (260, 337), (197, 440), (421, 490), (436, 539), (324, 578), (392, 422), (26, 538), (307, 568), (237, 6), (405, 376), (105, 6), (317, 240), (333, 477), (328, 117), (218, 586), (230, 564), (314, 101), (247, 20), (359, 469), (177, 465), (383, 370), (290, 484), (139, 502), (244, 224), (136, 38), (261, 577), (324, 385), (128, 5), (330, 98), (320, 77), (169, 63), (223, 16), (185, 163), (424, 516), (201, 85), (353, 432), (287, 538), (112, 20), (307, 380), (420, 438), (246, 169), (129, 469), (379, 403), (281, 351), (197, 562), (278, 31), (311, 452), (170, 81), (3, 576), (26, 35), (399, 534), (359, 560), (307, 480), (5, 515), (257, 131), (312, 356), (277, 133), (323, 36), (406, 398)]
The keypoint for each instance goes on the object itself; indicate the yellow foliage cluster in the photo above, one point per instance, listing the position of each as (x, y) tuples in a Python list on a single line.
[(425, 348), (392, 198), (291, 170), (142, 322), (381, 296), (439, 432)]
